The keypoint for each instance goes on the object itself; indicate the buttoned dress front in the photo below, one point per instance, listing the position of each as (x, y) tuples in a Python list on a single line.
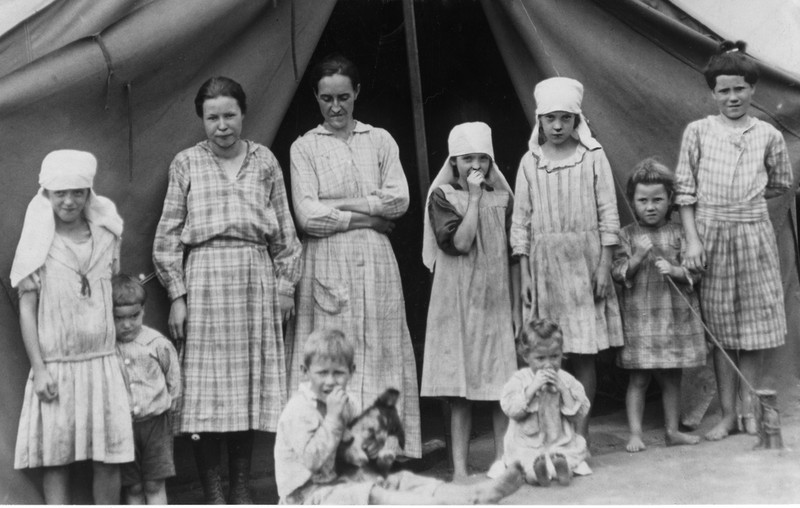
[(241, 253), (724, 172), (350, 278), (565, 212)]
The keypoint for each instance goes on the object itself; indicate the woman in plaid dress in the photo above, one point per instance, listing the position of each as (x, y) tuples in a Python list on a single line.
[(347, 187), (729, 165), (226, 212)]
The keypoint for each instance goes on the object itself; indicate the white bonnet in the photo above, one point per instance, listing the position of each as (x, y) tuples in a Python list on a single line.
[(558, 94), (68, 169), (470, 137)]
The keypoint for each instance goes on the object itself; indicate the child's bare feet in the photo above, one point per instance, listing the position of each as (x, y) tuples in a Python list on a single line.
[(635, 444), (721, 429), (562, 468), (492, 491), (540, 470), (676, 438)]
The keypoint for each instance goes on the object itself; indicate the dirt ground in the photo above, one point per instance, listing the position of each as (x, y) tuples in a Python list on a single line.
[(724, 472)]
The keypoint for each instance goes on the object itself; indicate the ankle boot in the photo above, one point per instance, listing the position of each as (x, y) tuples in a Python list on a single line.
[(207, 457), (240, 447)]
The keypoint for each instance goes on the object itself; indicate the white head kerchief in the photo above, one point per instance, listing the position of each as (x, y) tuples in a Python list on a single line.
[(465, 138), (561, 94), (61, 170)]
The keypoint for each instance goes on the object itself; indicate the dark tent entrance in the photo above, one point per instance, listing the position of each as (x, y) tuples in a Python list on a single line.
[(478, 60)]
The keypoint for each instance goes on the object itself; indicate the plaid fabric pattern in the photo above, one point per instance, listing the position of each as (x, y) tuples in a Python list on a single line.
[(243, 250), (350, 278), (660, 329), (726, 173), (564, 213)]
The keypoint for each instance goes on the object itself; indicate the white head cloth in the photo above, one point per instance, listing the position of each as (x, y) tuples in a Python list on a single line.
[(561, 94), (465, 138), (61, 170)]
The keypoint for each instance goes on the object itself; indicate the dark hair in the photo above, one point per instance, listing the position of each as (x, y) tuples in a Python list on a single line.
[(539, 332), (331, 344), (650, 172), (127, 290), (455, 168), (730, 60), (219, 86), (333, 64), (542, 138)]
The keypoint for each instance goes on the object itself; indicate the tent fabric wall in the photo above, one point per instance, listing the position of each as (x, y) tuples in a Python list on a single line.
[(643, 84), (160, 53)]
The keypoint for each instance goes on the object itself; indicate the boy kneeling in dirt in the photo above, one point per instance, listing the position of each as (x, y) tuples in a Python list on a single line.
[(311, 430)]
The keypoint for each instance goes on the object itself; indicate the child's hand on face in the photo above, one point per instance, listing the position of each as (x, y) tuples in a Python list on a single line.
[(475, 179), (642, 245), (336, 401), (540, 378)]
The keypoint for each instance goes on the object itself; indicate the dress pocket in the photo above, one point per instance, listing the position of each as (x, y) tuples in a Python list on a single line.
[(331, 295)]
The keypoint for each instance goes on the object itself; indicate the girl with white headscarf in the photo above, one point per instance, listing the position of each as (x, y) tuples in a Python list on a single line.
[(75, 406), (469, 344), (564, 226)]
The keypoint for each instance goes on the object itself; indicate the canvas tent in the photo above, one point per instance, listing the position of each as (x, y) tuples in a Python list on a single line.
[(118, 77)]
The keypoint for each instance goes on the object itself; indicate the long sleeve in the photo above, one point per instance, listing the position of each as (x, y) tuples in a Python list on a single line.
[(284, 247), (688, 161), (167, 246), (520, 234), (313, 217), (170, 366), (606, 199), (621, 260), (580, 403), (391, 199), (513, 401)]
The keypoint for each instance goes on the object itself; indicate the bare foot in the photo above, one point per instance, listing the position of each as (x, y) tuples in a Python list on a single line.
[(492, 491), (460, 478), (562, 468), (721, 429), (635, 444), (748, 424), (676, 438), (540, 470)]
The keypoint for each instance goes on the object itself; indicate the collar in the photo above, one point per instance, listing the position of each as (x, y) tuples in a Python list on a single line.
[(251, 146), (359, 128)]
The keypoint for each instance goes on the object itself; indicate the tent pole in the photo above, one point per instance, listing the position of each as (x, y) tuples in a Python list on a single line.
[(416, 99)]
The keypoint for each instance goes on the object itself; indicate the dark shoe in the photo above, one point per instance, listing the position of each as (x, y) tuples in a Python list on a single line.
[(540, 470), (207, 457)]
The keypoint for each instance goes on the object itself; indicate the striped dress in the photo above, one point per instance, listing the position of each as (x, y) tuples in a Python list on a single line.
[(565, 212), (724, 173), (241, 253), (660, 328), (350, 278)]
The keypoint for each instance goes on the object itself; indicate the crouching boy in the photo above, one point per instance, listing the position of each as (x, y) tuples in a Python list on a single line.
[(310, 431), (150, 365)]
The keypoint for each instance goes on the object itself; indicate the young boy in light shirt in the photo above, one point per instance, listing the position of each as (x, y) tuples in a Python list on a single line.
[(150, 365), (311, 428)]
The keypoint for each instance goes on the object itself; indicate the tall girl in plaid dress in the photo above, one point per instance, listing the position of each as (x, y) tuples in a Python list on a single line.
[(564, 227), (76, 403), (729, 165), (226, 212), (347, 188), (469, 338), (662, 328)]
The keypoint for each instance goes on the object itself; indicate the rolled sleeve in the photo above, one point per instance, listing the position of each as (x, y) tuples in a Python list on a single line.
[(688, 161), (606, 199), (777, 163), (520, 232)]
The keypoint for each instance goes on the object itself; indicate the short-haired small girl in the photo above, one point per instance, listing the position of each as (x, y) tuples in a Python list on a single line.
[(564, 228), (729, 165), (76, 405), (545, 406), (469, 339), (662, 328)]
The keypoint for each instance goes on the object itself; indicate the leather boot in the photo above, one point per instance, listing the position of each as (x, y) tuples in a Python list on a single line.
[(207, 456), (240, 447)]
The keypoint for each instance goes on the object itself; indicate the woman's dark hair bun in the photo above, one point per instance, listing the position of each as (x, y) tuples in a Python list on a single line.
[(727, 46)]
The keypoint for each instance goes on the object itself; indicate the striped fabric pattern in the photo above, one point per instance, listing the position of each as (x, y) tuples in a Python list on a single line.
[(741, 295), (243, 251), (350, 278)]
